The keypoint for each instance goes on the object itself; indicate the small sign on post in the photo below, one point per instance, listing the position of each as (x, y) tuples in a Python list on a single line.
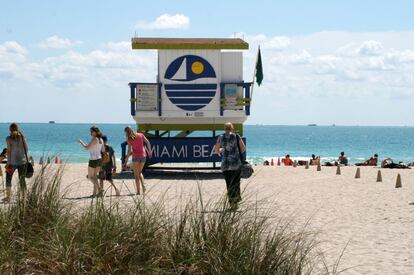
[(147, 97)]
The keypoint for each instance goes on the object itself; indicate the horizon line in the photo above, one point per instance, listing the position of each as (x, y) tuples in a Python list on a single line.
[(246, 124)]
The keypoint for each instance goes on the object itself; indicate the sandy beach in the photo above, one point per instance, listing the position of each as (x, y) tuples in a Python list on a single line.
[(373, 220)]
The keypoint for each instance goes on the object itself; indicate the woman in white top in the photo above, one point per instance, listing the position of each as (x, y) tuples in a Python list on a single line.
[(96, 148)]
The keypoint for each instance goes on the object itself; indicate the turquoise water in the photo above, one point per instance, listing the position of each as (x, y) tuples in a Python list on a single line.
[(262, 141)]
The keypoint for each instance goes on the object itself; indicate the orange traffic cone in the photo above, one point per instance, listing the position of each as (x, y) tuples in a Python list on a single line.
[(272, 163), (278, 161)]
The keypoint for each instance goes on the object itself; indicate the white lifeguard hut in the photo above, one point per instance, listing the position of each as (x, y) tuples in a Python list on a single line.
[(199, 87)]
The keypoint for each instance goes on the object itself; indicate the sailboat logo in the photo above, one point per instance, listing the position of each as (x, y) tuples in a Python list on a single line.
[(190, 96)]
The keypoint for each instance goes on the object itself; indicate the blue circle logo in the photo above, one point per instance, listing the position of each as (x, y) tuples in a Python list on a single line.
[(190, 96)]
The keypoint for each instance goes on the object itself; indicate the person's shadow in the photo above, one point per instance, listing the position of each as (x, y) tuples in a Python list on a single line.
[(172, 174)]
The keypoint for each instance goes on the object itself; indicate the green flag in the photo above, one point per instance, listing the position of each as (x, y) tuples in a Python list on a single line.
[(259, 68)]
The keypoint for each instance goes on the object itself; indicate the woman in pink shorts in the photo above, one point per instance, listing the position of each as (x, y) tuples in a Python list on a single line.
[(136, 148)]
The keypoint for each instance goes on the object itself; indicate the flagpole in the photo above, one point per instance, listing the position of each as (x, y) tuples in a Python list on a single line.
[(254, 75)]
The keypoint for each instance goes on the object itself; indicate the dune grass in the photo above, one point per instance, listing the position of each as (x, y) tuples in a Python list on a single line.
[(46, 235)]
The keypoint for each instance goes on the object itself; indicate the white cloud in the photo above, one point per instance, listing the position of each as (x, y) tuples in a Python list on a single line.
[(165, 22), (12, 47), (371, 47), (12, 57), (335, 64), (400, 57), (119, 46), (327, 68), (56, 42), (312, 66), (276, 43), (294, 66)]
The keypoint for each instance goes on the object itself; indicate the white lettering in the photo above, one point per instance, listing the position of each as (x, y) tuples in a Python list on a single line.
[(181, 153), (165, 152), (201, 151), (213, 152), (205, 151), (196, 151), (154, 151)]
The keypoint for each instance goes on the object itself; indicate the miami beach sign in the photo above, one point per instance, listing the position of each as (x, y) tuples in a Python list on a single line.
[(197, 149), (181, 150)]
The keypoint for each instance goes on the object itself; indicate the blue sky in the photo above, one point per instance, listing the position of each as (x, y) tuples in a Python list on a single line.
[(344, 62)]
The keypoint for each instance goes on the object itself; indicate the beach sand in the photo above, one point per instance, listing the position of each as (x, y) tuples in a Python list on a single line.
[(373, 221)]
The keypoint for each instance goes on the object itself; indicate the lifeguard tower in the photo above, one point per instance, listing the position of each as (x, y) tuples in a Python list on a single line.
[(198, 88)]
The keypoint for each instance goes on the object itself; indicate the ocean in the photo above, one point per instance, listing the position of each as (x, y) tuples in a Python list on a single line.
[(263, 142)]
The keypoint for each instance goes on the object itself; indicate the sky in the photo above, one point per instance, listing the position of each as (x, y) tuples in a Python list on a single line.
[(343, 62)]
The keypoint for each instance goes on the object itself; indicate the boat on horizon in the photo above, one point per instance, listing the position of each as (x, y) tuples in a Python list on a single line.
[(312, 124), (52, 122)]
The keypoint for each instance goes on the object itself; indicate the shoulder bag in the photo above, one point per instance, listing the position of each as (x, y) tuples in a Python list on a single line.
[(246, 168), (29, 166)]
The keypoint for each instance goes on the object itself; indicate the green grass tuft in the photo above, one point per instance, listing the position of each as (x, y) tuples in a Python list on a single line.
[(45, 235)]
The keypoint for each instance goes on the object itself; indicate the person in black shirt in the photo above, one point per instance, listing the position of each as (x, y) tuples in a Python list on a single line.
[(109, 167)]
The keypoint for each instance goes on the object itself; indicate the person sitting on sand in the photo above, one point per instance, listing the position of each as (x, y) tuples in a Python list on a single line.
[(372, 161), (109, 167), (287, 161), (315, 160), (96, 148), (343, 159)]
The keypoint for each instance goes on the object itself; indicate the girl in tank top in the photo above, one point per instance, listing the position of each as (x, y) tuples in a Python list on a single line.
[(136, 149), (96, 148)]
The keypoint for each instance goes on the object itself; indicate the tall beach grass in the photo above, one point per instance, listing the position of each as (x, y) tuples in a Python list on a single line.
[(47, 235)]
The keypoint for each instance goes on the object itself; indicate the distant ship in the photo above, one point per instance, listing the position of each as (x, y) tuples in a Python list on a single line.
[(312, 124), (52, 122)]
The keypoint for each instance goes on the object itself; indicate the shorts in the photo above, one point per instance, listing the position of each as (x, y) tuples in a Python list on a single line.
[(105, 175), (21, 169), (139, 160), (95, 163)]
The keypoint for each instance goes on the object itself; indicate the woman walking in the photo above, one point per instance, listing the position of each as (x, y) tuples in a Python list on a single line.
[(136, 148), (16, 160), (230, 146), (96, 148)]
